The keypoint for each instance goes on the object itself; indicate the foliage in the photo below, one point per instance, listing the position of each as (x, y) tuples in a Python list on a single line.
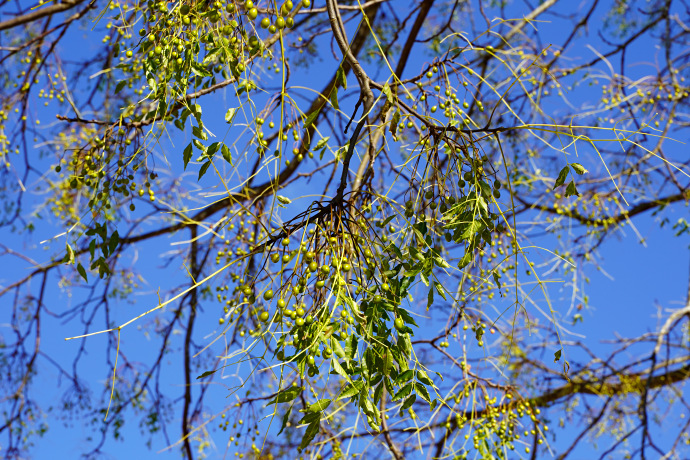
[(352, 203)]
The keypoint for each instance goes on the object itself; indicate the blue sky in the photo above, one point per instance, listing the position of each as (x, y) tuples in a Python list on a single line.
[(638, 285)]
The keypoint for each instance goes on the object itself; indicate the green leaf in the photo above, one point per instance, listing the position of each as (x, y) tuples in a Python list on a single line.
[(430, 298), (311, 118), (409, 319), (405, 345), (82, 272), (203, 169), (351, 346), (286, 418), (578, 168), (497, 280), (199, 132), (200, 70), (466, 259), (408, 402), (92, 248), (334, 98), (403, 392), (230, 115), (339, 369), (340, 78), (206, 374), (310, 434), (441, 262), (424, 378), (69, 256), (120, 85), (387, 91), (422, 391), (474, 227), (440, 290), (393, 126), (114, 241), (404, 377), (337, 348), (561, 177), (351, 390), (392, 247), (286, 395), (570, 190), (152, 83), (197, 143), (187, 154), (283, 199), (486, 189), (212, 149), (225, 151), (378, 392), (557, 356), (310, 417), (367, 406), (322, 142), (320, 405), (196, 111)]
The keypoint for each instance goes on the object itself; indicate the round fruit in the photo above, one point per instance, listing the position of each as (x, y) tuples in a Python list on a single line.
[(399, 323), (313, 266), (263, 316), (300, 311), (253, 13), (275, 257), (281, 304), (285, 241), (268, 295), (310, 360), (299, 321), (280, 23), (265, 22), (306, 3), (346, 267)]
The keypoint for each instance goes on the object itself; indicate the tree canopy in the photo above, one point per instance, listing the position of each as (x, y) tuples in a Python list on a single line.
[(332, 228)]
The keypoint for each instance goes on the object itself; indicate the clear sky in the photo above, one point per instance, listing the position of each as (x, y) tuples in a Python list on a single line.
[(631, 284)]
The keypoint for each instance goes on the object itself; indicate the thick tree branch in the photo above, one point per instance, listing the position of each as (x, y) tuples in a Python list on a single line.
[(53, 8)]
